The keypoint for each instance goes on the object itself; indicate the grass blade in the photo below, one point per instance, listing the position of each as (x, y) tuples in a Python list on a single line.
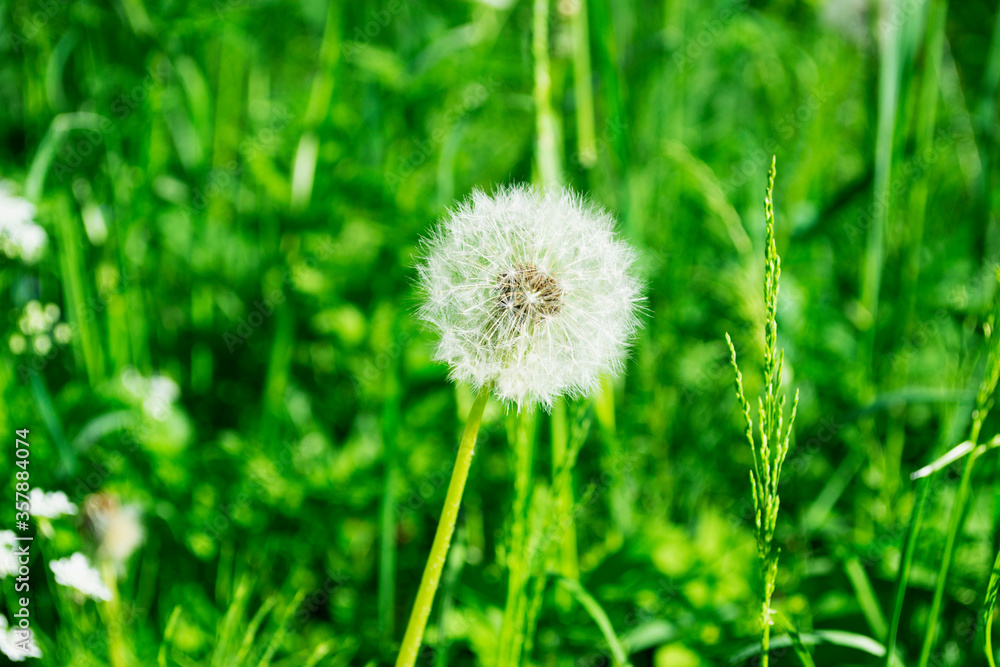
[(841, 638), (906, 560), (989, 606), (596, 612), (866, 596), (800, 650)]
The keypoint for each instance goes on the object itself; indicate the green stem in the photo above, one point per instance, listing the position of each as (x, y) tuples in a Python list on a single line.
[(111, 611), (549, 166), (765, 644), (442, 539), (888, 99), (991, 608), (596, 612), (954, 525), (917, 213), (514, 610), (568, 560), (583, 89), (903, 575)]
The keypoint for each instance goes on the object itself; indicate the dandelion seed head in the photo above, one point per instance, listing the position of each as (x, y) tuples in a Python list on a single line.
[(531, 292)]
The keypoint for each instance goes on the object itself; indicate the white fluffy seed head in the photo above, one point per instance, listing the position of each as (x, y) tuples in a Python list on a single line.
[(531, 292)]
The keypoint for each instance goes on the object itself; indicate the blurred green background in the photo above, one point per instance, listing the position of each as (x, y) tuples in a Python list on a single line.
[(232, 194)]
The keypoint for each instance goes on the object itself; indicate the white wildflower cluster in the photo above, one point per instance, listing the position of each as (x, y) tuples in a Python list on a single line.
[(157, 394), (20, 237), (50, 505), (8, 561), (77, 573), (532, 292), (16, 643), (38, 326)]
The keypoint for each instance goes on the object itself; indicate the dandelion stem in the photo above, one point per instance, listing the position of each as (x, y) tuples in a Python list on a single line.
[(512, 630), (568, 561), (442, 539)]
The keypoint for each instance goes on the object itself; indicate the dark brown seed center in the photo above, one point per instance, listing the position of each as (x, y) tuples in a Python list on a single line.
[(528, 293)]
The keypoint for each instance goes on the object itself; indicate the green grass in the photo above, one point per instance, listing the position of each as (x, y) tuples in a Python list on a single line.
[(233, 194)]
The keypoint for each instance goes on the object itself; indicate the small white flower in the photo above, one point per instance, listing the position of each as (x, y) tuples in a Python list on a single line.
[(531, 292), (161, 394), (52, 313), (77, 572), (50, 505), (19, 235), (18, 344), (157, 393), (62, 333), (8, 561), (42, 344), (33, 321), (17, 644)]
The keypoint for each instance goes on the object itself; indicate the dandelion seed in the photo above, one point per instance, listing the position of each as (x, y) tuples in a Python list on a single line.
[(77, 573), (532, 293), (50, 505)]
